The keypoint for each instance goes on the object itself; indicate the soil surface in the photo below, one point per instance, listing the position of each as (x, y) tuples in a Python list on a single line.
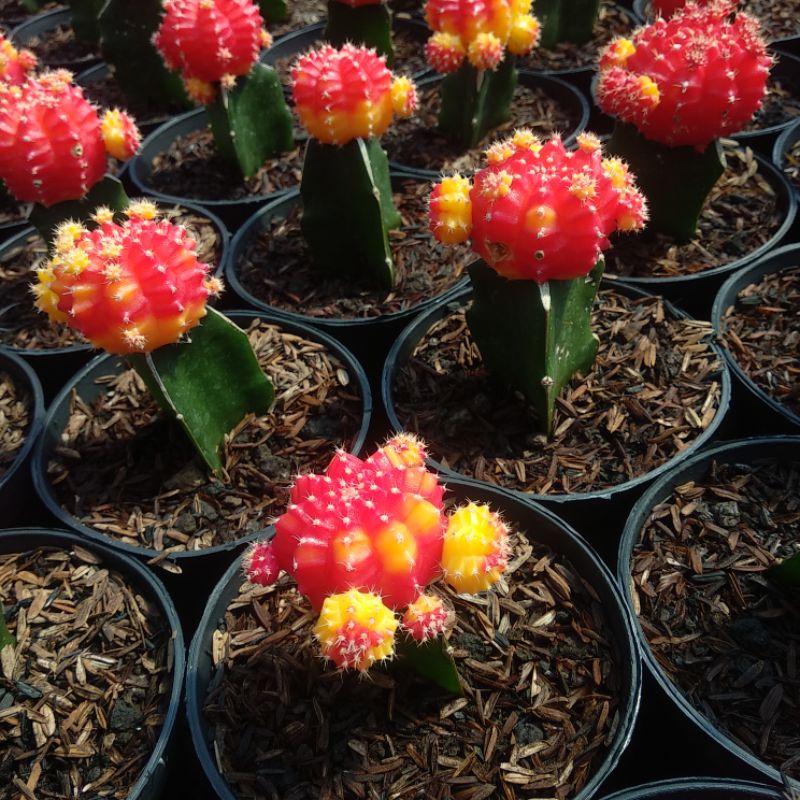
[(58, 47), (15, 418)]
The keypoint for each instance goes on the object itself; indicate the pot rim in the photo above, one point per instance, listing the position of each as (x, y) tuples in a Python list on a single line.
[(40, 452), (127, 566), (651, 497), (787, 138), (667, 788), (423, 322)]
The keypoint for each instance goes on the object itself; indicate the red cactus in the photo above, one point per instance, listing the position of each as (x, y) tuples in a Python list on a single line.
[(209, 41), (127, 288), (539, 212), (346, 94), (687, 80), (666, 8), (479, 30), (14, 64), (52, 144)]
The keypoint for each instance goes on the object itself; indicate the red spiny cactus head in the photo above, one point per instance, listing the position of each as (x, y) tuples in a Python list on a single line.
[(52, 144), (210, 40), (475, 552), (14, 64), (356, 630), (129, 287), (345, 94), (687, 80), (426, 618), (373, 525), (538, 212), (479, 30)]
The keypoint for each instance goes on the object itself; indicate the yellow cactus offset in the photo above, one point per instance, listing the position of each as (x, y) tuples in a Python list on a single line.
[(355, 629), (475, 552), (451, 210)]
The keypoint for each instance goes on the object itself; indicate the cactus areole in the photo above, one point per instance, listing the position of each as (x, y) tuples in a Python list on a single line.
[(366, 538), (676, 87), (53, 143), (539, 217)]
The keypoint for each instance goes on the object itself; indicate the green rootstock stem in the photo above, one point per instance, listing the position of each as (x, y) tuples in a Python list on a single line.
[(368, 25), (348, 209), (273, 11), (787, 573), (84, 19), (107, 192), (208, 383), (675, 180), (533, 337), (566, 20), (474, 102), (252, 122), (432, 659), (6, 637), (126, 34)]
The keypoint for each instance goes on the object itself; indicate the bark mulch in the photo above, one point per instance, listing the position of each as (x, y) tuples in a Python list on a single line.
[(15, 418)]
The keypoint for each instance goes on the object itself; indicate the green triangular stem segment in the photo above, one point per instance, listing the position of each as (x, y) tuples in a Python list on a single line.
[(84, 19), (534, 337), (126, 41), (369, 25), (432, 659), (476, 101), (566, 20), (252, 122), (107, 192), (786, 573), (6, 637), (209, 383), (675, 180), (348, 209), (273, 11)]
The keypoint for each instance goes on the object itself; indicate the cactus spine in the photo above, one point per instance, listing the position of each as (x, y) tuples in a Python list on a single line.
[(675, 88), (346, 99), (540, 218)]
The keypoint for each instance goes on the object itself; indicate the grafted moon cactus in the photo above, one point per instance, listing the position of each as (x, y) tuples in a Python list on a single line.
[(365, 539), (469, 45), (675, 87), (215, 46), (15, 65), (129, 287), (53, 143), (346, 98), (539, 217)]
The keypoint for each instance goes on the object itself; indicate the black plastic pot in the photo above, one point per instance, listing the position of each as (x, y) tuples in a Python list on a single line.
[(580, 510), (759, 412), (782, 146), (232, 212), (55, 365), (693, 734), (199, 569), (695, 292), (42, 24), (559, 90), (542, 525), (154, 773), (698, 789), (368, 338), (17, 499)]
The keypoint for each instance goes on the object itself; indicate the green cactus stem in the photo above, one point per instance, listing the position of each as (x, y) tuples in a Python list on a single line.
[(208, 384), (476, 101), (107, 192), (675, 180), (432, 660), (273, 11), (566, 20), (126, 34), (786, 573), (369, 25), (348, 209), (85, 19), (252, 122), (533, 337), (7, 638)]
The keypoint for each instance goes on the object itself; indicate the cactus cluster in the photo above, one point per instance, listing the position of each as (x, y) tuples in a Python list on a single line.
[(366, 538), (129, 287), (348, 93), (210, 42), (479, 31), (53, 143), (14, 64), (688, 80), (538, 212)]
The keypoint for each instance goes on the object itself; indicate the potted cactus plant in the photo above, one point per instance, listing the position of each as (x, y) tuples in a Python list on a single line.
[(380, 578)]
